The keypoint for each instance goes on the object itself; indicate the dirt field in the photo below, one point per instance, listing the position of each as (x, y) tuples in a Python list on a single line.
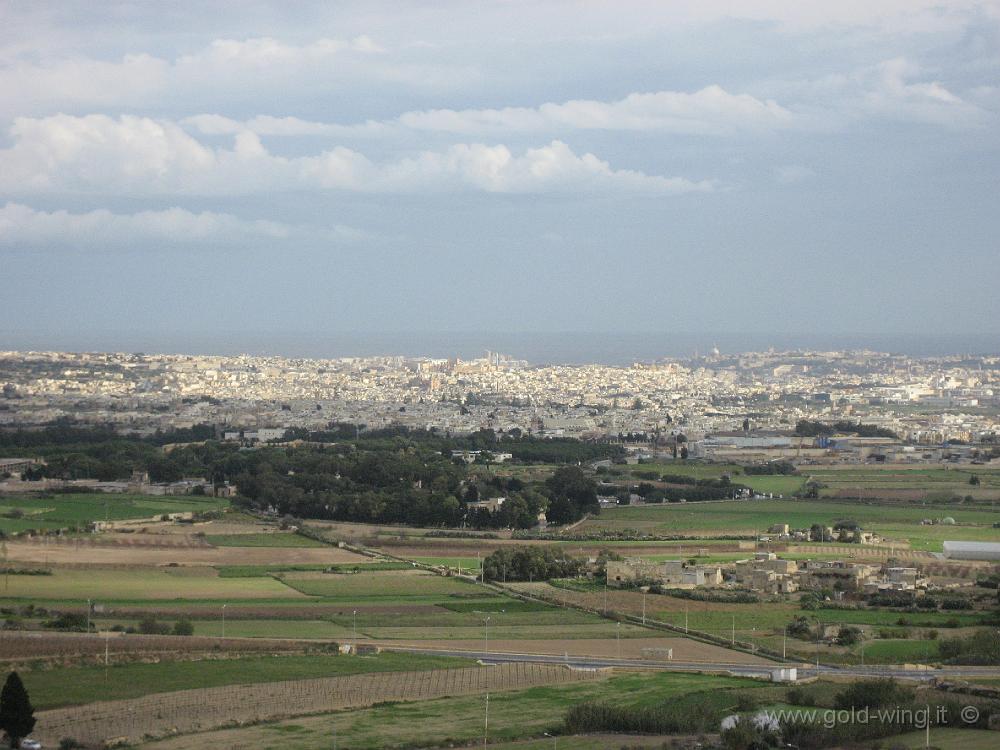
[(685, 649), (165, 550), (199, 710), (20, 645)]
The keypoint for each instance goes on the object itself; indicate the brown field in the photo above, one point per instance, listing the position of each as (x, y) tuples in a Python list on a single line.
[(164, 714), (245, 738), (165, 550), (20, 645), (249, 611), (685, 649)]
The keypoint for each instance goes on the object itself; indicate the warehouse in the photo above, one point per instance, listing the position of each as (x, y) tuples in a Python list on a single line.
[(972, 550)]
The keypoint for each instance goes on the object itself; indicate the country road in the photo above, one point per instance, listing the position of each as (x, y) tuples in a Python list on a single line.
[(804, 670)]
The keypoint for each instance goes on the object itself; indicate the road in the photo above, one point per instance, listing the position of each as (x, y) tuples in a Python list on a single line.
[(804, 671)]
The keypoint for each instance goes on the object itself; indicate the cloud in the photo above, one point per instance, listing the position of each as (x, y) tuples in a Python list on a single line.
[(709, 111), (138, 155), (23, 225), (230, 68), (897, 89), (891, 92), (792, 173)]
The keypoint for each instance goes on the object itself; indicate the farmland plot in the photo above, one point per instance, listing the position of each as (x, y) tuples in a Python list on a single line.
[(136, 584), (199, 710)]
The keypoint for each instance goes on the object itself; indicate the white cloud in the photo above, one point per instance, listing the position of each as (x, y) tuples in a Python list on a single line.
[(897, 89), (100, 154), (21, 224), (226, 68), (791, 173), (892, 92), (709, 111)]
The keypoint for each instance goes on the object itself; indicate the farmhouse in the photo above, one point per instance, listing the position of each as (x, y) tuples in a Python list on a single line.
[(671, 573)]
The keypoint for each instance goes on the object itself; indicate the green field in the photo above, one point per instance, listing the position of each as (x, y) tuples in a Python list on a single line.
[(745, 517), (381, 604), (391, 585), (899, 651), (72, 510), (946, 738), (76, 685), (143, 584), (257, 571), (277, 539), (514, 714)]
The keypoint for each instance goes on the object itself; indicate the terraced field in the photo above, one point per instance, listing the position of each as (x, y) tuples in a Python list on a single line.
[(71, 510), (899, 522)]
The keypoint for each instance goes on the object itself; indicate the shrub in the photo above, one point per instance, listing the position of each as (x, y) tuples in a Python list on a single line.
[(149, 626), (877, 693), (848, 635)]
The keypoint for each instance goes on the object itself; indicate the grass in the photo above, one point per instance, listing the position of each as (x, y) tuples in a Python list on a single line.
[(459, 720), (391, 586), (744, 517), (80, 509), (899, 651), (143, 584), (947, 738), (276, 539), (259, 571), (306, 629), (65, 686)]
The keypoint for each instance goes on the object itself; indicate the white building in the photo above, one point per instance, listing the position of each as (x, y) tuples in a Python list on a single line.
[(972, 550)]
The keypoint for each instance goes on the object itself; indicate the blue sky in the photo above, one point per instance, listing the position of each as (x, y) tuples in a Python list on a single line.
[(202, 168)]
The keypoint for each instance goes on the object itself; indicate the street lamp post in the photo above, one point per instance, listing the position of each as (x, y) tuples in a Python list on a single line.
[(223, 620), (355, 627), (643, 607), (618, 637)]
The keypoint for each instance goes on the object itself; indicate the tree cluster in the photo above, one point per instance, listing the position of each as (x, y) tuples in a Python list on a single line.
[(524, 563)]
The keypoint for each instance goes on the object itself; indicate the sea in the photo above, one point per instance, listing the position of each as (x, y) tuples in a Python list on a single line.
[(571, 347)]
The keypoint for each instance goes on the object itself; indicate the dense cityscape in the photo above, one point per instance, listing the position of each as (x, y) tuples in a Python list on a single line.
[(927, 402)]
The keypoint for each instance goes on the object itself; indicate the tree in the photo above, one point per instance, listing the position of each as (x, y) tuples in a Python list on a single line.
[(17, 716), (183, 627), (848, 636)]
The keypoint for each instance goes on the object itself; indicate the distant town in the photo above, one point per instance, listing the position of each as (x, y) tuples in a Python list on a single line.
[(797, 406)]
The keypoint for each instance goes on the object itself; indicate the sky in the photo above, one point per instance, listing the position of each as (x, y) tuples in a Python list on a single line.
[(202, 170)]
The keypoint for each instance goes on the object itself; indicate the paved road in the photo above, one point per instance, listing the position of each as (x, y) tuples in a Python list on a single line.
[(583, 662)]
